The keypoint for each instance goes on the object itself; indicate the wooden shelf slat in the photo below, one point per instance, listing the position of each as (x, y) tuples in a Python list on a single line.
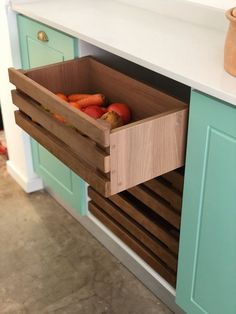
[(147, 239), (84, 147), (63, 153), (158, 230), (152, 201), (176, 178), (137, 247), (167, 192)]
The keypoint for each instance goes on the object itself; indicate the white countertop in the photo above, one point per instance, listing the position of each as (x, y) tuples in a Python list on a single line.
[(184, 51), (219, 4)]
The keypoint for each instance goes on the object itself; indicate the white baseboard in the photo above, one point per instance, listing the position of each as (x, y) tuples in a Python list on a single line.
[(150, 278), (28, 185)]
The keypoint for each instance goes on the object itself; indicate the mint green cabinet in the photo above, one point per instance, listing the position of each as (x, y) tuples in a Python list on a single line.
[(34, 52), (206, 281)]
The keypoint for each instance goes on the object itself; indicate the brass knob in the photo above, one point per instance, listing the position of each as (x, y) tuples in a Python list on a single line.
[(42, 36)]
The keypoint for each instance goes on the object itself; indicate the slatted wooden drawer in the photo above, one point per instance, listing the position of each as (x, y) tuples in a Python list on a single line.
[(109, 160), (147, 219)]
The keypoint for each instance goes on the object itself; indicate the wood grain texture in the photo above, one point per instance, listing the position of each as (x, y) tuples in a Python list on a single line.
[(144, 100), (143, 151), (135, 229), (158, 229), (176, 178), (156, 204), (84, 147), (153, 144), (134, 244), (63, 153), (40, 90), (166, 191)]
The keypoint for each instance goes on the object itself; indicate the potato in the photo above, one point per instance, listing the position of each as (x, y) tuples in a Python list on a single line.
[(113, 118)]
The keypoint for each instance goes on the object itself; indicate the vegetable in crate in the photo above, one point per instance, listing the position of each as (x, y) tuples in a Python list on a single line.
[(92, 100), (78, 96), (55, 115), (113, 118), (62, 96), (94, 111), (58, 117), (74, 104), (123, 111)]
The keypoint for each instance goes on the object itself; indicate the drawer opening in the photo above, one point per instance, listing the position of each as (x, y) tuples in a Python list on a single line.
[(151, 145)]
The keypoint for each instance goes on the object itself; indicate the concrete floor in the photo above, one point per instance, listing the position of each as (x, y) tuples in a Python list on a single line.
[(50, 264)]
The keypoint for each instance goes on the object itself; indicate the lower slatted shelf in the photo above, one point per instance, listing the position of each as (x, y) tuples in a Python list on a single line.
[(132, 242), (147, 219)]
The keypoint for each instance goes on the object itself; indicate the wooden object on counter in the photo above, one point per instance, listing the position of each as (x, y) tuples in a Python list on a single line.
[(230, 43)]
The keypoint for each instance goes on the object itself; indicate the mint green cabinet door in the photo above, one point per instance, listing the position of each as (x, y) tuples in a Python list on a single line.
[(206, 281), (59, 178)]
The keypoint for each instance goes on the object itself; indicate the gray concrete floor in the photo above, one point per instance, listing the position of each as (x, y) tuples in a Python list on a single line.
[(50, 264)]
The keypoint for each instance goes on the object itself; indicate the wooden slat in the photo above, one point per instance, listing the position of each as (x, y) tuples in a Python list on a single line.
[(159, 187), (99, 132), (159, 231), (156, 205), (147, 149), (64, 153), (136, 246), (176, 179), (135, 229), (84, 147)]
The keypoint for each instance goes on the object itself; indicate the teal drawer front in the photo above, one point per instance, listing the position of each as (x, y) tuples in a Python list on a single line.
[(34, 52)]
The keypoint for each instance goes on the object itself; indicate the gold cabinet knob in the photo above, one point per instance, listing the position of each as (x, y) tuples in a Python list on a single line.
[(42, 36)]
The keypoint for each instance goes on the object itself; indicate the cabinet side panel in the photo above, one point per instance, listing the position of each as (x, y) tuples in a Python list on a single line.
[(206, 281)]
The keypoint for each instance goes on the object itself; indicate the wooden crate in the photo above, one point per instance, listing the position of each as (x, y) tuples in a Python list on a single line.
[(147, 219), (109, 160)]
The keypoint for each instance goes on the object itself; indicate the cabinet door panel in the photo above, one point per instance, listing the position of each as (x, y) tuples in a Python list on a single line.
[(42, 55), (206, 280), (34, 52), (59, 178), (59, 47), (58, 171)]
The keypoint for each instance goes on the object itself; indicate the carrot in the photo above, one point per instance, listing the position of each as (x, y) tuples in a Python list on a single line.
[(74, 104), (75, 97), (58, 117), (92, 100), (62, 96)]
